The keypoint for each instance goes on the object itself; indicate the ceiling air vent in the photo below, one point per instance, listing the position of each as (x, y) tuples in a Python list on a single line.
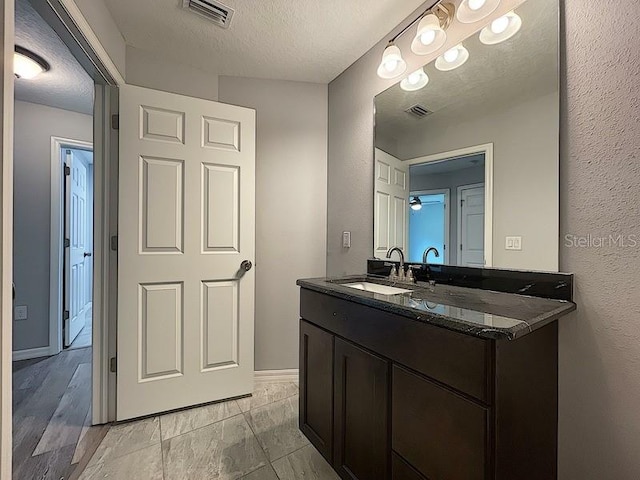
[(418, 111), (218, 13)]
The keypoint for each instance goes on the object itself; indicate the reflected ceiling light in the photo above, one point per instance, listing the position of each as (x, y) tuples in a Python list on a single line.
[(501, 29), (415, 203), (392, 64), (27, 64), (415, 81), (430, 36), (452, 59), (471, 11)]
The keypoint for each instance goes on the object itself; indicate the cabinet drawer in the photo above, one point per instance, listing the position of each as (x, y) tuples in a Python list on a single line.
[(455, 359), (443, 435)]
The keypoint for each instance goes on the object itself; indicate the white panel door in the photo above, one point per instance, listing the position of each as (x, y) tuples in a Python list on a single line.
[(78, 257), (391, 209), (471, 224), (186, 224)]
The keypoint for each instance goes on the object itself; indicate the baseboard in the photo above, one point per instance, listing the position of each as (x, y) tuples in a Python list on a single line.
[(32, 353), (277, 376)]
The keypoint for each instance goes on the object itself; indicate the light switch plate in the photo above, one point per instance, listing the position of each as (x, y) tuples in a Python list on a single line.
[(20, 312), (513, 243), (346, 239)]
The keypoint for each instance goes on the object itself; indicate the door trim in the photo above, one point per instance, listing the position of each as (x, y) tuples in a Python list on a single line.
[(459, 190), (487, 149), (56, 257), (447, 217)]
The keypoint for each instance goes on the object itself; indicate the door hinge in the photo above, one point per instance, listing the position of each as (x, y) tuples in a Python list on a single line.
[(113, 364), (114, 243), (115, 121), (460, 247), (67, 170), (65, 315), (67, 243)]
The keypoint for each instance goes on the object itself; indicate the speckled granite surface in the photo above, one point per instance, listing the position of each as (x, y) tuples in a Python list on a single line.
[(482, 313)]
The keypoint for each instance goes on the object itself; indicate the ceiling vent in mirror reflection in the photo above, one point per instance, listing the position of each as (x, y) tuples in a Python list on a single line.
[(217, 12), (418, 111)]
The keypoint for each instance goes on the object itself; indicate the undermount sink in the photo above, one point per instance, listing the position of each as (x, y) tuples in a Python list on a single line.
[(376, 288)]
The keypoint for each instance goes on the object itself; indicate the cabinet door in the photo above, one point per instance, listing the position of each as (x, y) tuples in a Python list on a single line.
[(316, 387), (441, 434), (361, 440)]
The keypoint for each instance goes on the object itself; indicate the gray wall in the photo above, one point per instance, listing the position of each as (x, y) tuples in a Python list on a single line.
[(599, 433), (525, 174), (451, 180), (33, 128), (147, 70), (291, 208)]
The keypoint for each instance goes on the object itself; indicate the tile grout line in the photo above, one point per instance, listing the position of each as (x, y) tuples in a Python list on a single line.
[(161, 449)]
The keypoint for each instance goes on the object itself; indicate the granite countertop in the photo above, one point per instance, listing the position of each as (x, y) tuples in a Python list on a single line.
[(481, 313)]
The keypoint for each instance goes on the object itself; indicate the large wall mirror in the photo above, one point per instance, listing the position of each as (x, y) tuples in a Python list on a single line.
[(467, 163)]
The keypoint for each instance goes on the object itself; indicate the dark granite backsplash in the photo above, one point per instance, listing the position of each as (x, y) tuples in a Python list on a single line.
[(557, 286)]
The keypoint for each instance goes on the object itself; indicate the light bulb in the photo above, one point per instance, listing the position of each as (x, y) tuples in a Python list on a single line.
[(451, 55), (390, 65), (500, 25), (476, 4), (428, 37), (414, 78)]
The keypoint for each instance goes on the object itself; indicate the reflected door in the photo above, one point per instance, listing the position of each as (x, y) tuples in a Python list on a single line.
[(390, 209), (471, 226), (186, 224)]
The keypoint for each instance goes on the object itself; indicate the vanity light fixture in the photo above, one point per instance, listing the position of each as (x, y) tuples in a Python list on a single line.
[(429, 37), (27, 64), (415, 203), (392, 64), (501, 29), (452, 59), (471, 11), (415, 81)]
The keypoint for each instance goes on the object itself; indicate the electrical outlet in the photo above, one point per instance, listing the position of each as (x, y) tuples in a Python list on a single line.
[(346, 239), (20, 312), (513, 243)]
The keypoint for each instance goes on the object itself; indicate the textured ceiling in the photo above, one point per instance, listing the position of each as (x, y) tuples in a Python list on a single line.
[(66, 85), (526, 66), (304, 40)]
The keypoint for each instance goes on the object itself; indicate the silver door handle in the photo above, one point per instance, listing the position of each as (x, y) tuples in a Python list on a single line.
[(87, 254), (246, 265)]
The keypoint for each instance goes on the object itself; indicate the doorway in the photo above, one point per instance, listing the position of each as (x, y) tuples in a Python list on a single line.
[(429, 227), (75, 160)]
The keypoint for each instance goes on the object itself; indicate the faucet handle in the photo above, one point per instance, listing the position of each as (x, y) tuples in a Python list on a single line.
[(394, 273), (410, 276)]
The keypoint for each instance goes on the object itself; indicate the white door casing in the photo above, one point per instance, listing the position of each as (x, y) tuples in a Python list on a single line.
[(390, 225), (471, 225), (78, 254), (186, 222)]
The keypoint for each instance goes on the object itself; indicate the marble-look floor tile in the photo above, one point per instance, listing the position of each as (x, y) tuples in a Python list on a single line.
[(264, 473), (144, 464), (177, 423), (226, 450), (276, 426), (265, 393), (305, 463), (127, 438)]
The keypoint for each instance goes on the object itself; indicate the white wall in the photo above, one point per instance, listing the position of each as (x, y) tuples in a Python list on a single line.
[(99, 18), (291, 204), (145, 69), (599, 431), (526, 174), (33, 128)]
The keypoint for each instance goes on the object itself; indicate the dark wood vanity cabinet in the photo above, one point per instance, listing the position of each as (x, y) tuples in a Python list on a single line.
[(384, 397)]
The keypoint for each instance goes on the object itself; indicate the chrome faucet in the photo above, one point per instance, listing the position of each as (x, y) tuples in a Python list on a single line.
[(428, 251), (401, 276), (399, 250)]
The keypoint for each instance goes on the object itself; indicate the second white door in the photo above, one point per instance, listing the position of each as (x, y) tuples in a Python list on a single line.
[(186, 235), (471, 225)]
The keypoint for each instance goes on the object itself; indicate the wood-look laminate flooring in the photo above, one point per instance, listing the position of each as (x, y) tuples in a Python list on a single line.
[(52, 432)]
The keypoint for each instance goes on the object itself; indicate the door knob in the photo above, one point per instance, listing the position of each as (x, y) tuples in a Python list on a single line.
[(246, 265), (87, 254)]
